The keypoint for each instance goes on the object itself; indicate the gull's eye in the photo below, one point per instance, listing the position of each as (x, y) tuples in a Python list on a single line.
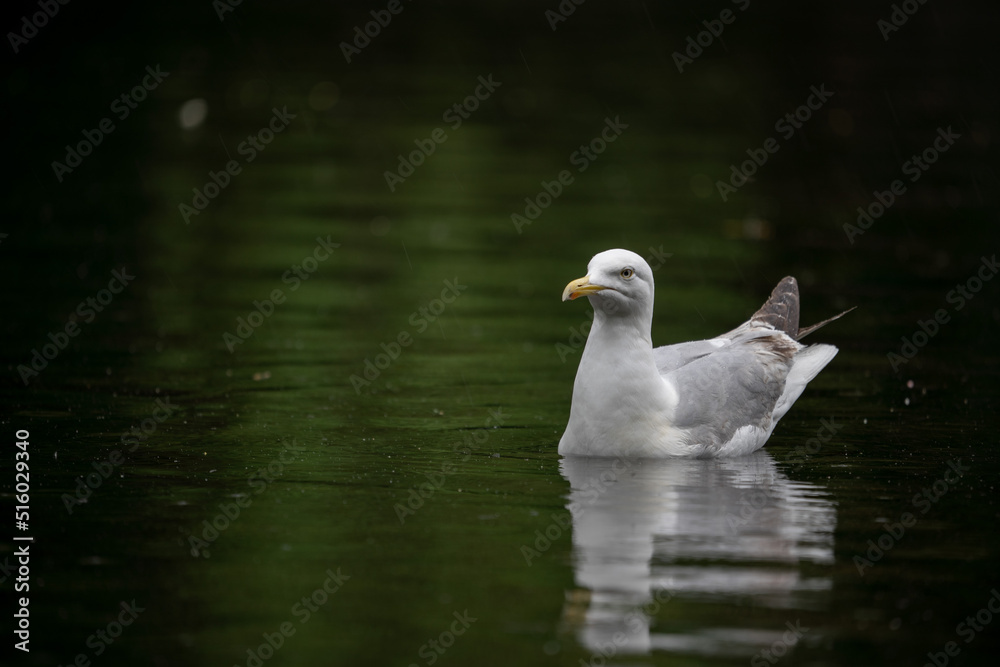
[(627, 274)]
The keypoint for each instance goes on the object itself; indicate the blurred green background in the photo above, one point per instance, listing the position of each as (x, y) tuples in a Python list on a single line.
[(483, 388)]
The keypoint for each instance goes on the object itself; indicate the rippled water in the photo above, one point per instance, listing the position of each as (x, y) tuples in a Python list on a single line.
[(366, 472)]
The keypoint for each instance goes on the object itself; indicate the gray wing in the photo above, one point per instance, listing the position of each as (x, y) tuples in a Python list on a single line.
[(672, 357), (721, 389)]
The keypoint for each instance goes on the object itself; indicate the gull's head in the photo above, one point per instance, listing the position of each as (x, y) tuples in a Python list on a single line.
[(617, 281)]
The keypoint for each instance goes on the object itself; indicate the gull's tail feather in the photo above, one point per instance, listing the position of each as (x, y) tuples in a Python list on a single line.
[(807, 364)]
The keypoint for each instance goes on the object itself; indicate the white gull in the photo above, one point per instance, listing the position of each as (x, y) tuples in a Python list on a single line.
[(716, 397)]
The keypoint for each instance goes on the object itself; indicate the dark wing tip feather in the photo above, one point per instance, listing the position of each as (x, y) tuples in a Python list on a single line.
[(781, 310), (809, 330)]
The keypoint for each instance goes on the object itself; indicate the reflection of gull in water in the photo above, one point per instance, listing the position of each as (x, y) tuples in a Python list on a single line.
[(651, 537)]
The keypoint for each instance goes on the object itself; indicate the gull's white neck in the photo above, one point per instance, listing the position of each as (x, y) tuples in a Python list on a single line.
[(620, 402)]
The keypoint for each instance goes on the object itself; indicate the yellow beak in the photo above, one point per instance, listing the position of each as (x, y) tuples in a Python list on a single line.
[(580, 287)]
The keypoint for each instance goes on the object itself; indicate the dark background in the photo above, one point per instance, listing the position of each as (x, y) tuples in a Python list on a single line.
[(325, 176)]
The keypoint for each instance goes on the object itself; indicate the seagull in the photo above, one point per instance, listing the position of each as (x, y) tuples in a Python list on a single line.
[(719, 397)]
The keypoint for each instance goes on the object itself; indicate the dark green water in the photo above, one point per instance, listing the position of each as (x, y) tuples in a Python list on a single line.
[(389, 429)]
